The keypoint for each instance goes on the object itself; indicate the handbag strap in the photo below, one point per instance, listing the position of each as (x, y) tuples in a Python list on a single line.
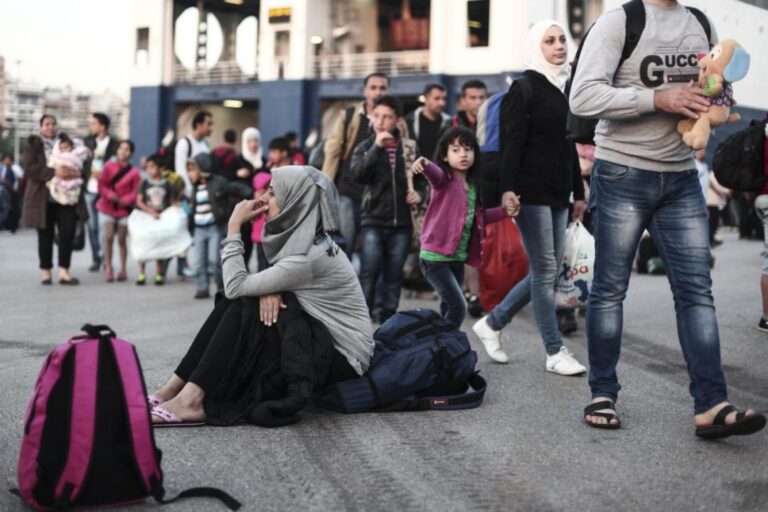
[(119, 176)]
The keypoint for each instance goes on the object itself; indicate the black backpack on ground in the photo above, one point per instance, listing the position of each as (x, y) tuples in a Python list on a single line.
[(582, 130), (739, 160)]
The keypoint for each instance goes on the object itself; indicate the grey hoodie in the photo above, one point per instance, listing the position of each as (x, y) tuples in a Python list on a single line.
[(630, 131)]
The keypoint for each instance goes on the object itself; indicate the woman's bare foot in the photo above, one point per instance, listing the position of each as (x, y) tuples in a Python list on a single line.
[(64, 274), (187, 405), (171, 388), (600, 420), (706, 419)]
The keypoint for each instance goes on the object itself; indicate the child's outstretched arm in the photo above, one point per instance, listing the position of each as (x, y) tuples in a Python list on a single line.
[(434, 174)]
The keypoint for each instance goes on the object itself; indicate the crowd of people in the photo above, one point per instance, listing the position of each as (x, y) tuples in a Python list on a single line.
[(413, 185)]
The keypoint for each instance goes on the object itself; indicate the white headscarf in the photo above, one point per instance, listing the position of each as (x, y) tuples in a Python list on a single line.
[(534, 57), (254, 158)]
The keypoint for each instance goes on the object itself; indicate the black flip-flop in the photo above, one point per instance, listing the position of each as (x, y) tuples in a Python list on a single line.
[(69, 282), (46, 282), (743, 426), (591, 410)]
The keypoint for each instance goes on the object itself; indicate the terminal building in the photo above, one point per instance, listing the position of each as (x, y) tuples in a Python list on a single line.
[(290, 65)]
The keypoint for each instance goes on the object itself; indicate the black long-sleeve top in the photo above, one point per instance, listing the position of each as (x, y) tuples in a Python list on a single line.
[(539, 162)]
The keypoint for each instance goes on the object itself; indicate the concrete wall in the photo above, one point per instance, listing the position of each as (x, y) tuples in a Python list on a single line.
[(157, 15)]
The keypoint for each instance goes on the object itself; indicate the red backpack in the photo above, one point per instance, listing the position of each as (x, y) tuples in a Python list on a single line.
[(88, 439)]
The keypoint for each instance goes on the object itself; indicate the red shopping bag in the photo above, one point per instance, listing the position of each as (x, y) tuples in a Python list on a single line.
[(505, 262)]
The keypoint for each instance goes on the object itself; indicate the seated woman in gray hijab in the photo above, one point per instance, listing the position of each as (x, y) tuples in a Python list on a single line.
[(245, 355)]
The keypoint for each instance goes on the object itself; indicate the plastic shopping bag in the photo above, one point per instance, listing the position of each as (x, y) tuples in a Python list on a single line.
[(577, 268), (158, 239), (505, 262)]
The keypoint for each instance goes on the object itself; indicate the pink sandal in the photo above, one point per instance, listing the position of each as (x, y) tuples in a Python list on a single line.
[(154, 400), (171, 420)]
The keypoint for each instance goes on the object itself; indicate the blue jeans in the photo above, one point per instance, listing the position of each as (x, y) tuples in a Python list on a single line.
[(207, 252), (543, 230), (349, 222), (384, 253), (447, 278), (94, 237), (625, 201)]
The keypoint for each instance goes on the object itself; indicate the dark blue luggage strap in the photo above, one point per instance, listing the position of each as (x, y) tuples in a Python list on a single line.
[(456, 402)]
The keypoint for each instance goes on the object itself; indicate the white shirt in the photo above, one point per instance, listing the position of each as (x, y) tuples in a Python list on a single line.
[(183, 153), (703, 170), (97, 164)]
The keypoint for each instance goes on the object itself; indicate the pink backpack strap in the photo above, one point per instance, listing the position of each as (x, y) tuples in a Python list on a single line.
[(34, 421), (83, 420), (138, 412)]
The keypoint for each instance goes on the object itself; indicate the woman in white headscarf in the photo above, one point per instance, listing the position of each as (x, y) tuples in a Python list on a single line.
[(253, 150), (540, 171)]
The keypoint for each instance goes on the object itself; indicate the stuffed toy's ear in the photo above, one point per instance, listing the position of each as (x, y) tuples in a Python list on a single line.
[(738, 67)]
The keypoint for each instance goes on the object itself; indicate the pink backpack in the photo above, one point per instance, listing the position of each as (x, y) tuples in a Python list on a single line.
[(88, 440)]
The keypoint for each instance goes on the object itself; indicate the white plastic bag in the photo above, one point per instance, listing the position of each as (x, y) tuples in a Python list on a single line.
[(577, 268), (152, 239)]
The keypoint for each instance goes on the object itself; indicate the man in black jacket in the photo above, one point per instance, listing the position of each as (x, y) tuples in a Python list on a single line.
[(380, 164), (103, 149)]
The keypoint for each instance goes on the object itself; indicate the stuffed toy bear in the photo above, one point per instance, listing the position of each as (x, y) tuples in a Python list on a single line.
[(727, 62)]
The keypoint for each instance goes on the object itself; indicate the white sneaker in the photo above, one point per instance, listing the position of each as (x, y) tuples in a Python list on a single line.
[(564, 363), (491, 340)]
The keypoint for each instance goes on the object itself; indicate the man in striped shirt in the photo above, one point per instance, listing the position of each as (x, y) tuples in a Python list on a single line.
[(213, 197)]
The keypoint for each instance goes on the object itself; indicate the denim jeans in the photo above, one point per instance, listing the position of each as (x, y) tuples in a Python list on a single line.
[(543, 230), (384, 253), (447, 278), (625, 201), (207, 252), (94, 236), (349, 222)]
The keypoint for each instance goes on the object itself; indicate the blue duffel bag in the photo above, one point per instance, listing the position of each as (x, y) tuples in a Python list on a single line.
[(421, 361)]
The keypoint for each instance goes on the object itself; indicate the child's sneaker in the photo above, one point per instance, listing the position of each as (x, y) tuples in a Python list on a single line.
[(141, 280), (762, 325), (159, 280)]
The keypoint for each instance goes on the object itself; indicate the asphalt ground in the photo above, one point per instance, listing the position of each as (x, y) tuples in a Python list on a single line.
[(525, 449)]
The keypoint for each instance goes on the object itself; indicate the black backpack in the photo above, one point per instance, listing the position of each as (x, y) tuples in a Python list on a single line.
[(168, 153), (739, 160), (582, 130)]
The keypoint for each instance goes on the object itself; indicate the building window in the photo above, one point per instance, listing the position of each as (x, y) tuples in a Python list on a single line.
[(282, 51), (142, 46), (581, 15), (478, 17)]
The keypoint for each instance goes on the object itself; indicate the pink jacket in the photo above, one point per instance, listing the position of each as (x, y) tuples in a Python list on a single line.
[(125, 189), (260, 183), (447, 211)]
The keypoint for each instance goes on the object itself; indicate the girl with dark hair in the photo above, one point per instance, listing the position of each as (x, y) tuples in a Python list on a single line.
[(453, 225), (118, 185)]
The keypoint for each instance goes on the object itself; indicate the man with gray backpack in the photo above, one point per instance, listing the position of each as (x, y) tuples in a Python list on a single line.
[(636, 74)]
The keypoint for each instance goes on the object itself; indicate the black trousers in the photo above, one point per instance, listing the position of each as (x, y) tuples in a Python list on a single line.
[(714, 221), (208, 357), (61, 218)]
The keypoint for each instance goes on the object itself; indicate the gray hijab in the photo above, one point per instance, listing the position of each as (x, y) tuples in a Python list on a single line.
[(308, 202)]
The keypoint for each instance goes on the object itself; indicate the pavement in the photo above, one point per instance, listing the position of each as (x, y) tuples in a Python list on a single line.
[(525, 449)]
